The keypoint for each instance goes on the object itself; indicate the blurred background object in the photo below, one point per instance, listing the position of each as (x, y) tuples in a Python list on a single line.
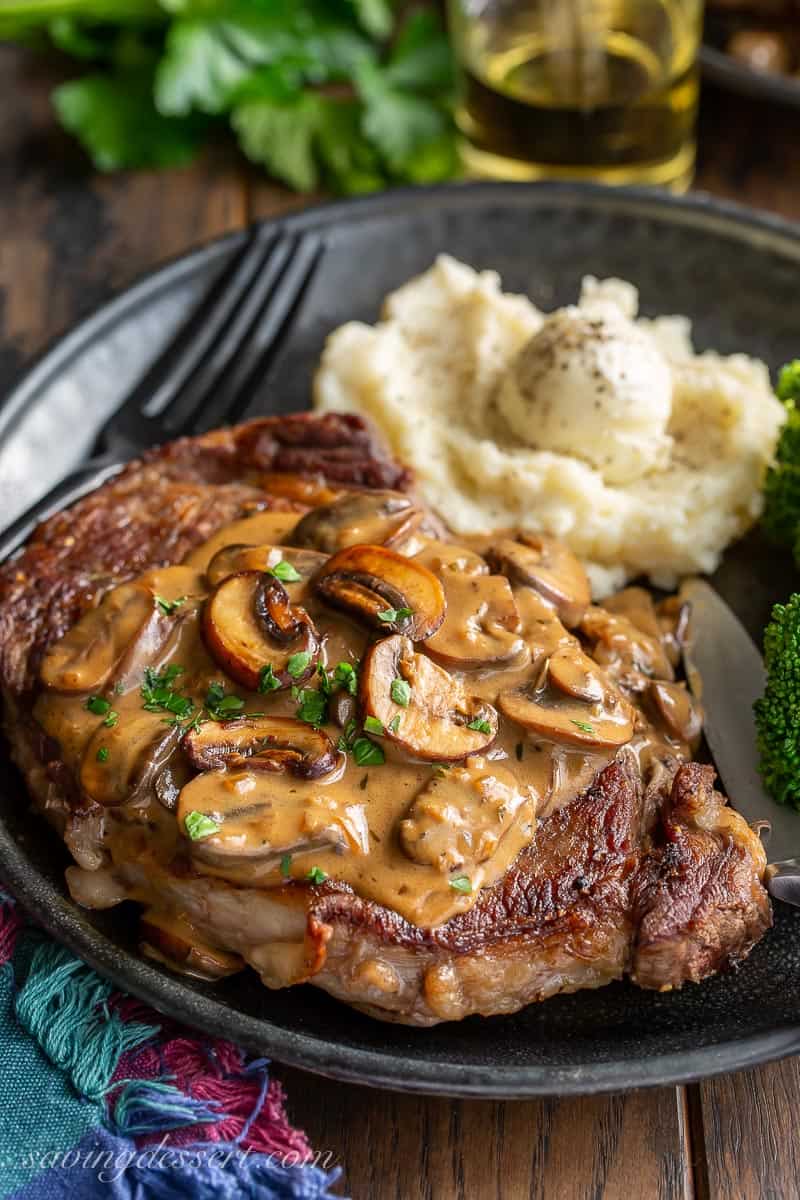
[(346, 95), (603, 90)]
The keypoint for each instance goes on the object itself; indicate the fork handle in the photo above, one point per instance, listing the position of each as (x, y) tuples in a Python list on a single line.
[(78, 483)]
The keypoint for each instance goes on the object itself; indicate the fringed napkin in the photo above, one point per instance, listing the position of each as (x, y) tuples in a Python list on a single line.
[(102, 1097)]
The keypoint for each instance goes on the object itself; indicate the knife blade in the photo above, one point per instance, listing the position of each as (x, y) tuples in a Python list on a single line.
[(726, 673)]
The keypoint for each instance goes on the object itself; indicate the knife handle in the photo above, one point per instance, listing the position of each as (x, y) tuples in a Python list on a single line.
[(783, 881)]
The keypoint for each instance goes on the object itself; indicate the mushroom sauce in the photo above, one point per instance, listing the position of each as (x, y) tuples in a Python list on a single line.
[(345, 695)]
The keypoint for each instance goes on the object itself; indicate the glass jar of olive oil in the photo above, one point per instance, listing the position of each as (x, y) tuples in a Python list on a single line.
[(603, 90)]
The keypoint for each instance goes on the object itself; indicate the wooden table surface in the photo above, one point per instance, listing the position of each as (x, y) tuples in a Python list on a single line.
[(69, 239)]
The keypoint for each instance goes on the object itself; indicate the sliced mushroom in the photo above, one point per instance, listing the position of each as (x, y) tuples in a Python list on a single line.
[(575, 674), (445, 559), (84, 658), (440, 723), (121, 762), (372, 582), (676, 710), (268, 528), (173, 941), (263, 743), (359, 518), (249, 624), (571, 702), (232, 560), (627, 653), (542, 562), (460, 817), (568, 722), (481, 628), (258, 820)]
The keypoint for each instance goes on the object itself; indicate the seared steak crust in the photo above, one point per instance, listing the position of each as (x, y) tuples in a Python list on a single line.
[(574, 877), (158, 509), (662, 883)]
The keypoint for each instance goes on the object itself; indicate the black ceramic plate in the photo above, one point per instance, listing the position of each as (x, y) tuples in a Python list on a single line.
[(723, 69), (738, 277)]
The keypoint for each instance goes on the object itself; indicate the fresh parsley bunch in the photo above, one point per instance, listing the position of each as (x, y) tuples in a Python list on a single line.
[(341, 94)]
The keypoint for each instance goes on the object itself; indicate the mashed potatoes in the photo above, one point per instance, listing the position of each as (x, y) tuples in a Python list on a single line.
[(607, 431)]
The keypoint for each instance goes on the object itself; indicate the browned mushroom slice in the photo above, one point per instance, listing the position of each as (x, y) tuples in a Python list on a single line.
[(84, 658), (461, 816), (481, 628), (574, 674), (384, 590), (627, 653), (541, 562), (249, 624), (446, 559), (568, 721), (439, 722), (269, 528), (121, 762), (246, 819), (232, 560), (676, 710), (173, 941), (572, 702), (358, 518), (266, 743)]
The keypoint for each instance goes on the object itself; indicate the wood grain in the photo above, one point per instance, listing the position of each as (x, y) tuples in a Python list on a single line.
[(68, 239), (398, 1147), (78, 237), (750, 1133), (748, 152)]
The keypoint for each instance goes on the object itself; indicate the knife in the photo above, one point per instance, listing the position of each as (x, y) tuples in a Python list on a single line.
[(726, 673)]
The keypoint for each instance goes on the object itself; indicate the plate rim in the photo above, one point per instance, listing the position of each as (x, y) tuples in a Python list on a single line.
[(167, 993), (722, 69)]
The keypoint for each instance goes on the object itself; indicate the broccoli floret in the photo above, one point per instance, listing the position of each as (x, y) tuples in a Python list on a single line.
[(778, 710), (781, 519), (788, 387)]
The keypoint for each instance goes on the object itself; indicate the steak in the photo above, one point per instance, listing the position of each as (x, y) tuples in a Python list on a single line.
[(652, 878)]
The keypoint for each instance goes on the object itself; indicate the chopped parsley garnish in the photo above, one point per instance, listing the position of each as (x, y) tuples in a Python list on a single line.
[(316, 875), (480, 725), (400, 692), (394, 724), (312, 706), (221, 706), (102, 754), (373, 725), (286, 865), (284, 571), (346, 676), (198, 825), (159, 695), (298, 663), (168, 606), (461, 883), (325, 684), (583, 726), (368, 753), (389, 615), (267, 681), (111, 719), (98, 705), (346, 740)]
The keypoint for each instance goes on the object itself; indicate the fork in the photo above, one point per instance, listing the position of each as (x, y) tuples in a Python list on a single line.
[(206, 374)]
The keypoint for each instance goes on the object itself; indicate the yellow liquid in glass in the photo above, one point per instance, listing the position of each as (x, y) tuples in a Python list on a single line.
[(617, 107)]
